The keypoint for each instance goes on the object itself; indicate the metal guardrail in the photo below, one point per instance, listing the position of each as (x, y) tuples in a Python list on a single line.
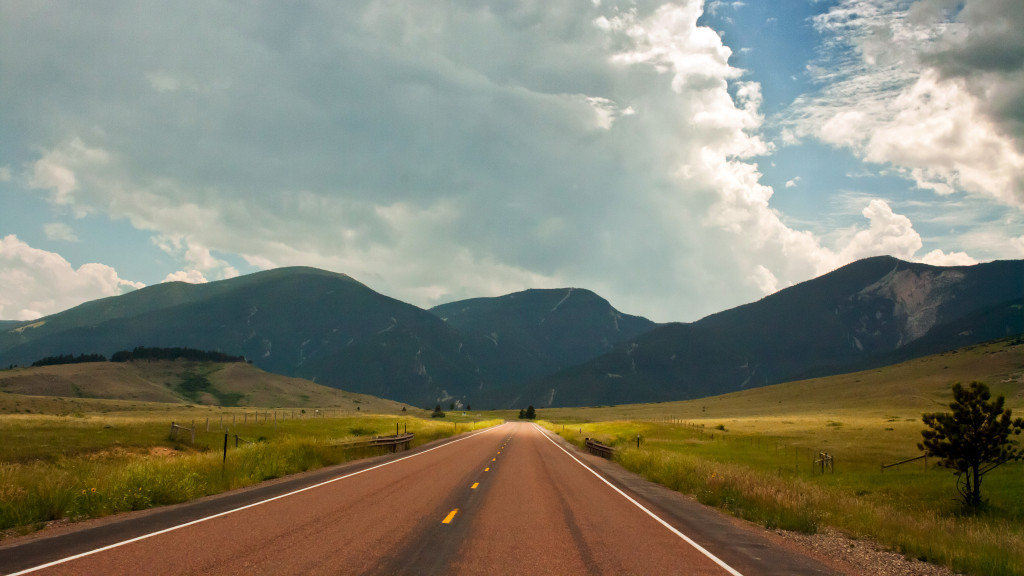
[(599, 449), (392, 441)]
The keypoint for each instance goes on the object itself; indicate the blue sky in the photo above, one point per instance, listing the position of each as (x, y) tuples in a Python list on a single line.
[(679, 158)]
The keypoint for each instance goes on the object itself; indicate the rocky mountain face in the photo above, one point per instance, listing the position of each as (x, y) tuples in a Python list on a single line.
[(869, 313), (545, 347)]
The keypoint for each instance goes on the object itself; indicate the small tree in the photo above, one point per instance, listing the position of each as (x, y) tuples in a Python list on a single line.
[(528, 414), (973, 439)]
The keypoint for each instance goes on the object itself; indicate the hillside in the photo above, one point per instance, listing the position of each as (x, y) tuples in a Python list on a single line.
[(299, 322), (228, 384), (870, 313), (906, 390), (522, 336)]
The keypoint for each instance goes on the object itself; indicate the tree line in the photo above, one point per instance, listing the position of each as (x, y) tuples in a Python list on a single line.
[(142, 353), (69, 359)]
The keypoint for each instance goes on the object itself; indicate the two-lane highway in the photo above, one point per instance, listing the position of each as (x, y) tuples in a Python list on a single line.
[(508, 500)]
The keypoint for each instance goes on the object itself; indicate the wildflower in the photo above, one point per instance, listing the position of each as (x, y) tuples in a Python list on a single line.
[(94, 490)]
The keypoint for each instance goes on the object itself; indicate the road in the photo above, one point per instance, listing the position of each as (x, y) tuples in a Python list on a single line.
[(508, 500)]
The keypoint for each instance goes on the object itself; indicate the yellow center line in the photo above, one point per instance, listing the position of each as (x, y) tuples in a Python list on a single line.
[(448, 518), (494, 459), (487, 469), (475, 484)]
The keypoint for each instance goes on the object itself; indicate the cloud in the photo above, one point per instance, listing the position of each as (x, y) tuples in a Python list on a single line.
[(191, 276), (197, 257), (37, 282), (939, 258), (1018, 245), (433, 153), (793, 182), (931, 89), (59, 231), (888, 234), (5, 173)]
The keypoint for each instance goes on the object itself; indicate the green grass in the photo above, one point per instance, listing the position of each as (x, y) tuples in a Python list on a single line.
[(771, 481), (752, 452), (88, 465)]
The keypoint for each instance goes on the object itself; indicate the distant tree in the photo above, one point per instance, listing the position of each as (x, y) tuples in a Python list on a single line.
[(69, 359), (522, 414), (437, 413), (531, 414), (451, 406), (973, 439), (468, 408)]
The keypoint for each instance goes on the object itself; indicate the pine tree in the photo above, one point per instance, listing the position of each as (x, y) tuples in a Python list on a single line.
[(973, 439)]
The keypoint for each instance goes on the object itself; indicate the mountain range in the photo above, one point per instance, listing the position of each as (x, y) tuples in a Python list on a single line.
[(556, 347)]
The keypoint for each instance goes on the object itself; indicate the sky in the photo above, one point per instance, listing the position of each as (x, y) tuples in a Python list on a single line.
[(677, 158)]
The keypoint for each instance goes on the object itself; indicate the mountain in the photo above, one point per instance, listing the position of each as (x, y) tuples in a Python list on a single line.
[(519, 337), (300, 322), (546, 347), (869, 313)]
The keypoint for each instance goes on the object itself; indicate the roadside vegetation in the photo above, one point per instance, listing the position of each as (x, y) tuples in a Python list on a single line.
[(88, 464), (756, 454)]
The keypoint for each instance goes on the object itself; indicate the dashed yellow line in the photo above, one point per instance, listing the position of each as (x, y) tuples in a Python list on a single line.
[(475, 484), (488, 469), (448, 518)]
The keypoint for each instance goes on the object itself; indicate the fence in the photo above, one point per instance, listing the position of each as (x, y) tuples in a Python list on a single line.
[(825, 462), (176, 428), (897, 464)]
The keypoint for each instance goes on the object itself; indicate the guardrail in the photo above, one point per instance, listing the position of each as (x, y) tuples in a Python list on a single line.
[(599, 449), (393, 442)]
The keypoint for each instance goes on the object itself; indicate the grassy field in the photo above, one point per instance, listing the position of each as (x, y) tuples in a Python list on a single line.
[(752, 453), (110, 456)]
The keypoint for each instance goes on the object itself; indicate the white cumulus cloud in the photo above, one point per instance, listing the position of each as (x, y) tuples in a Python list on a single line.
[(36, 282), (919, 87)]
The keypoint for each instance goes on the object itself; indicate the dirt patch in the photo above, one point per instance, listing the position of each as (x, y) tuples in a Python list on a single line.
[(162, 452), (860, 556)]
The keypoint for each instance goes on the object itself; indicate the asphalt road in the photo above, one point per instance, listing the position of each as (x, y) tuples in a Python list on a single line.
[(508, 500)]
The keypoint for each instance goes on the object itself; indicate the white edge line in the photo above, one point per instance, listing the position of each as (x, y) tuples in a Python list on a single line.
[(232, 511), (686, 538)]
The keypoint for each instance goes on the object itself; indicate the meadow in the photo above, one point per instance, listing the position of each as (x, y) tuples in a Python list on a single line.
[(753, 454), (115, 456)]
